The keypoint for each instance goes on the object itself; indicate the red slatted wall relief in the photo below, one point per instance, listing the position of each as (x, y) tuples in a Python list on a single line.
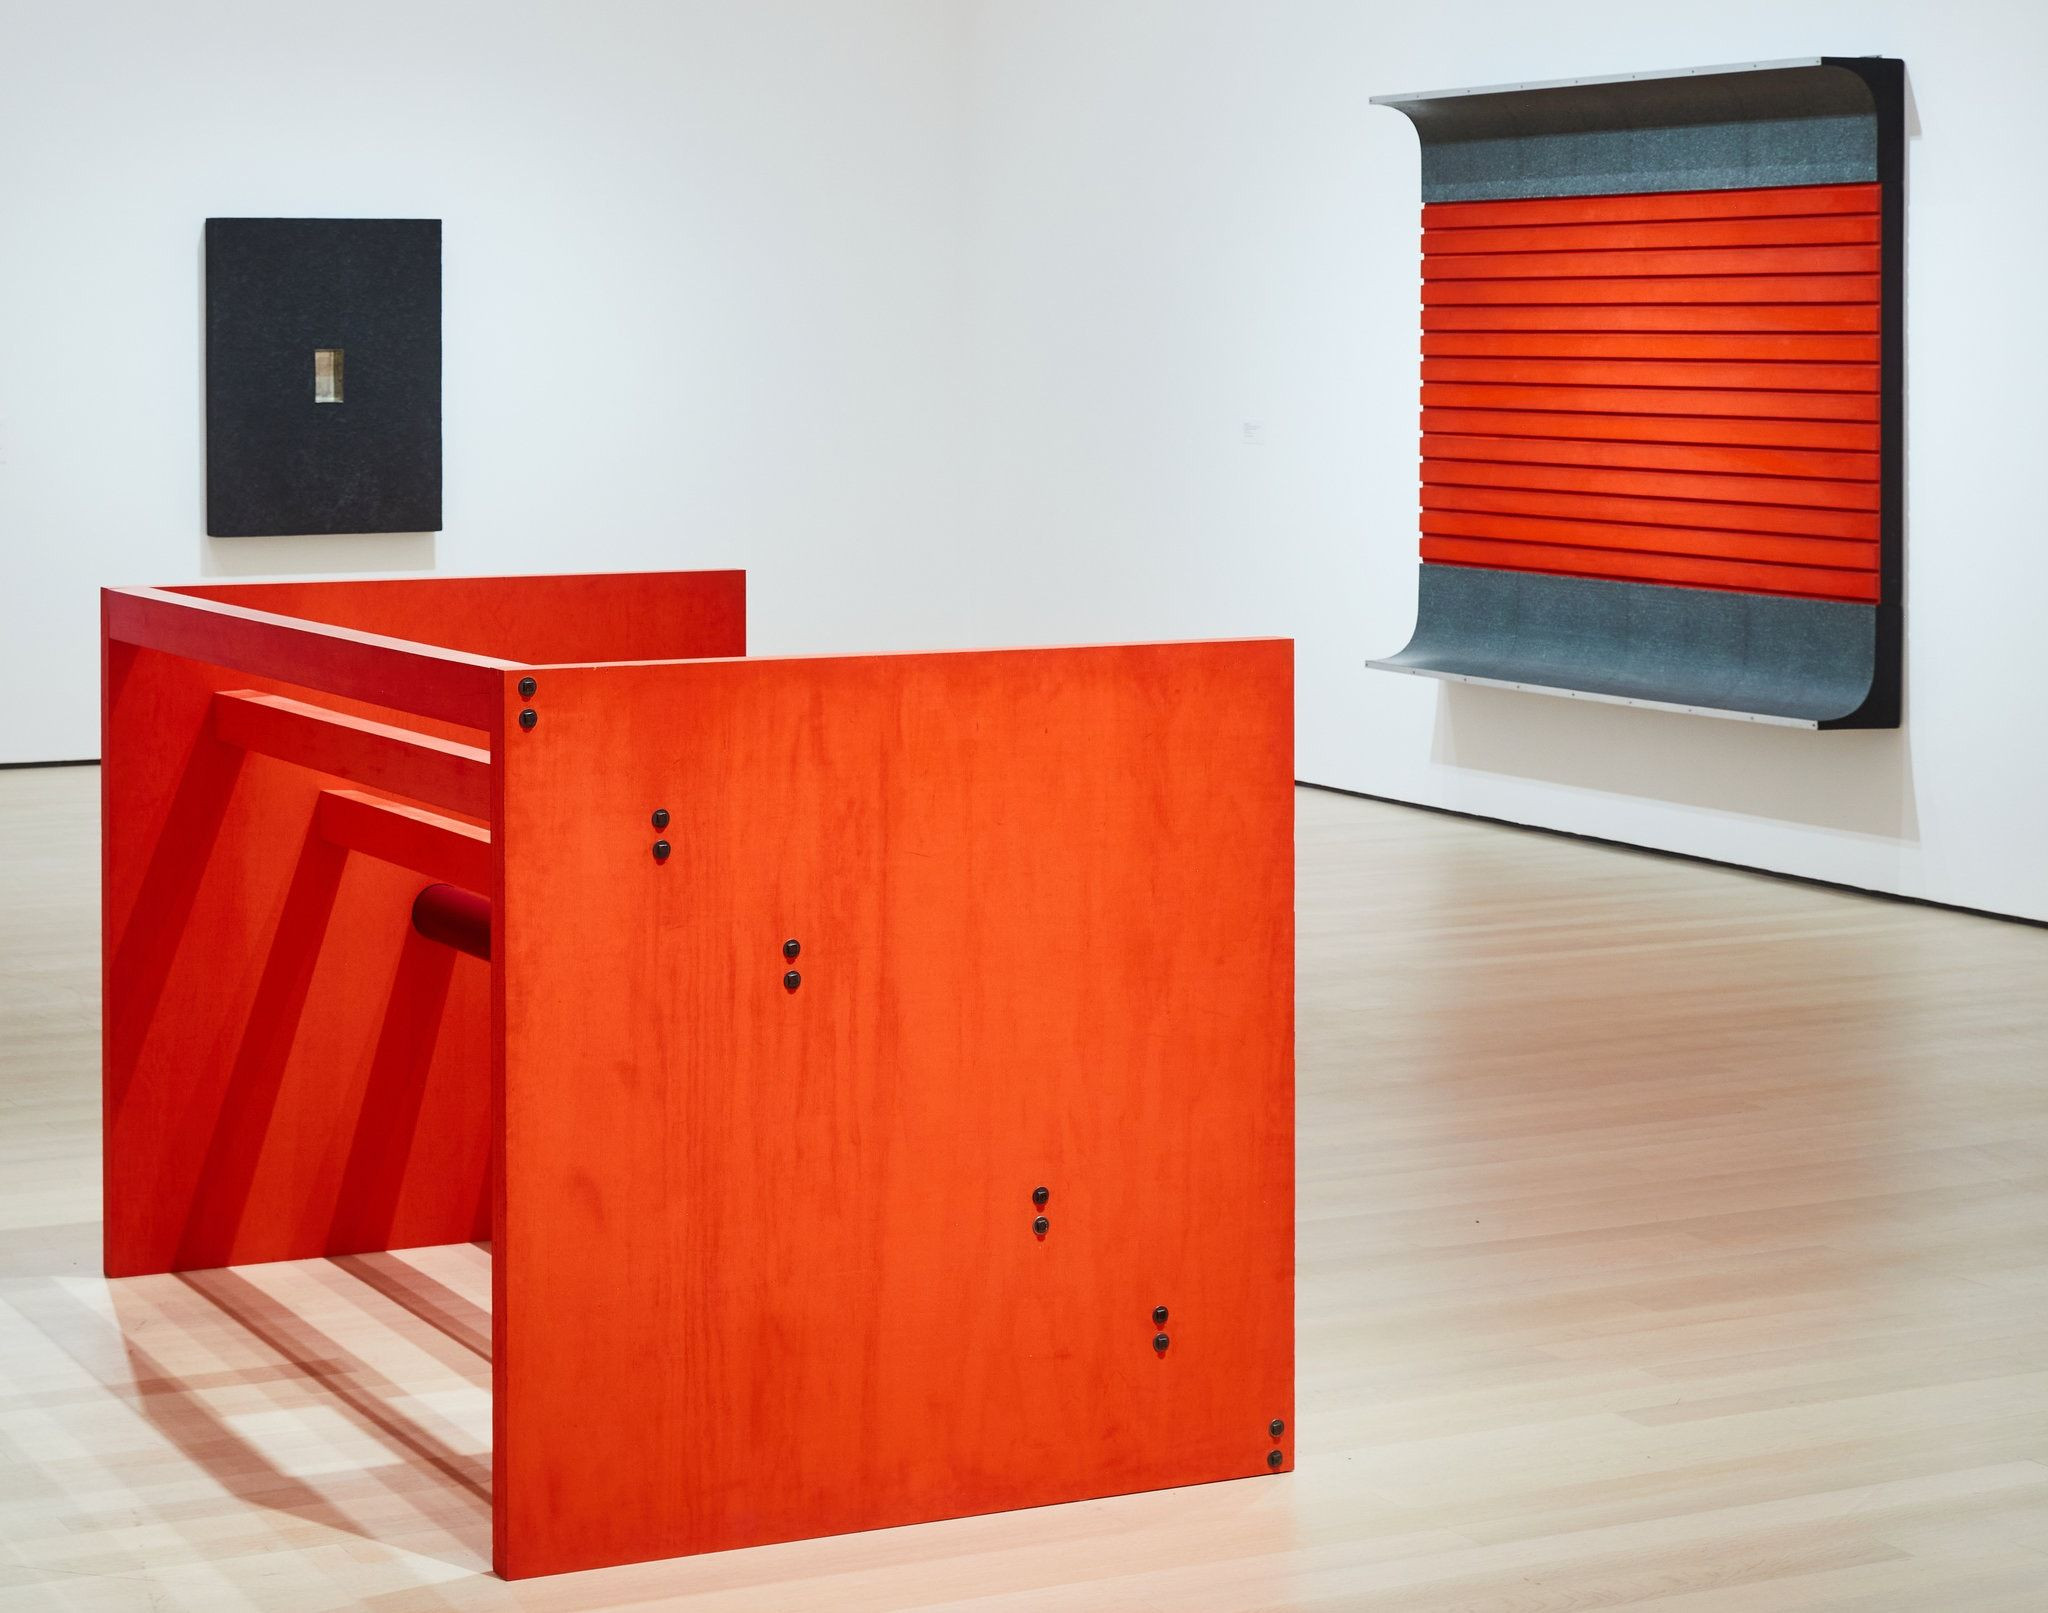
[(1679, 387)]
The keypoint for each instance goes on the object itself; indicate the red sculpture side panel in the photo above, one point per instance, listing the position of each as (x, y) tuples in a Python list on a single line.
[(289, 1070), (766, 1263)]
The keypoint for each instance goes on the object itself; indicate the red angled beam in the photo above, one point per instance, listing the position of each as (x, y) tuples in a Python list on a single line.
[(411, 837), (440, 772)]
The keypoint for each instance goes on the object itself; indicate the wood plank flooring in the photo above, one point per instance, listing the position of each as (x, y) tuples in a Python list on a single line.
[(1671, 1238)]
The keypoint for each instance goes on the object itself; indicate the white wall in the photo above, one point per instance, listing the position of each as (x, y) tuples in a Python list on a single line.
[(701, 294), (1187, 217), (946, 318)]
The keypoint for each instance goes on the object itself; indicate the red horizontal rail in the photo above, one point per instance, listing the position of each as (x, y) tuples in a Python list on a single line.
[(1777, 201), (1651, 372), (1837, 554), (1749, 318), (1617, 286), (1535, 423), (1841, 229), (1714, 346), (1701, 261), (1857, 524), (1806, 581), (395, 673), (1628, 400), (1801, 491), (1717, 460)]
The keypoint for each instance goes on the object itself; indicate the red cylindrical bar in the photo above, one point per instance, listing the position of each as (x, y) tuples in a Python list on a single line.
[(454, 917)]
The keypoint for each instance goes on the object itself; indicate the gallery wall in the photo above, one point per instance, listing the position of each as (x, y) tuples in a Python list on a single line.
[(701, 289), (1194, 295), (962, 321)]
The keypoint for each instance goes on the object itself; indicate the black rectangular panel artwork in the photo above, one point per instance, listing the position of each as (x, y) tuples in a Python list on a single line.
[(323, 375)]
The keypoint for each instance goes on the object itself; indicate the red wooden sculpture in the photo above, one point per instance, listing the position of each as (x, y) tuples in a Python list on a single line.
[(745, 1006)]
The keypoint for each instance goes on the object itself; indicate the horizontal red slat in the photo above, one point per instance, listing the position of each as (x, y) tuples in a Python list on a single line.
[(1720, 459), (1836, 554), (1792, 490), (1623, 288), (1835, 230), (1741, 318), (1655, 428), (1806, 581), (1655, 401), (1718, 347), (1790, 201), (1764, 260), (1795, 521), (1651, 372)]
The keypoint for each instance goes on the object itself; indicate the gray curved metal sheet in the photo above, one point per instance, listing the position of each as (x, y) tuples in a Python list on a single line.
[(1809, 121), (1804, 662)]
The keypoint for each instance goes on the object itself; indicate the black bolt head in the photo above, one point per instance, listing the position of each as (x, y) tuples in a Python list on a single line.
[(1277, 1427), (1040, 1194), (1160, 1341), (661, 817), (1041, 1226), (1158, 1315), (661, 851), (1274, 1458), (792, 980), (526, 688), (792, 947), (528, 717)]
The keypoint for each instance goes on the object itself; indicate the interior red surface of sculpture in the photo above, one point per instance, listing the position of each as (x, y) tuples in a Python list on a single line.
[(764, 1259)]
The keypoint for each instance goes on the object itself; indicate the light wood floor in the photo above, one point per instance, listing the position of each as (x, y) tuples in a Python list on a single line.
[(1670, 1238)]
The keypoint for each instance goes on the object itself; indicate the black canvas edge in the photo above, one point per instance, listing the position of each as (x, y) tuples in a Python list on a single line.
[(1885, 78)]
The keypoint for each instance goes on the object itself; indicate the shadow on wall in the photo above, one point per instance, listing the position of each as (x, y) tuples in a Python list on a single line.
[(316, 555), (1856, 781)]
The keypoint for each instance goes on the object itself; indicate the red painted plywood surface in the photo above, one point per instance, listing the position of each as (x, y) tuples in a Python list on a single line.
[(289, 1069), (766, 1264)]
